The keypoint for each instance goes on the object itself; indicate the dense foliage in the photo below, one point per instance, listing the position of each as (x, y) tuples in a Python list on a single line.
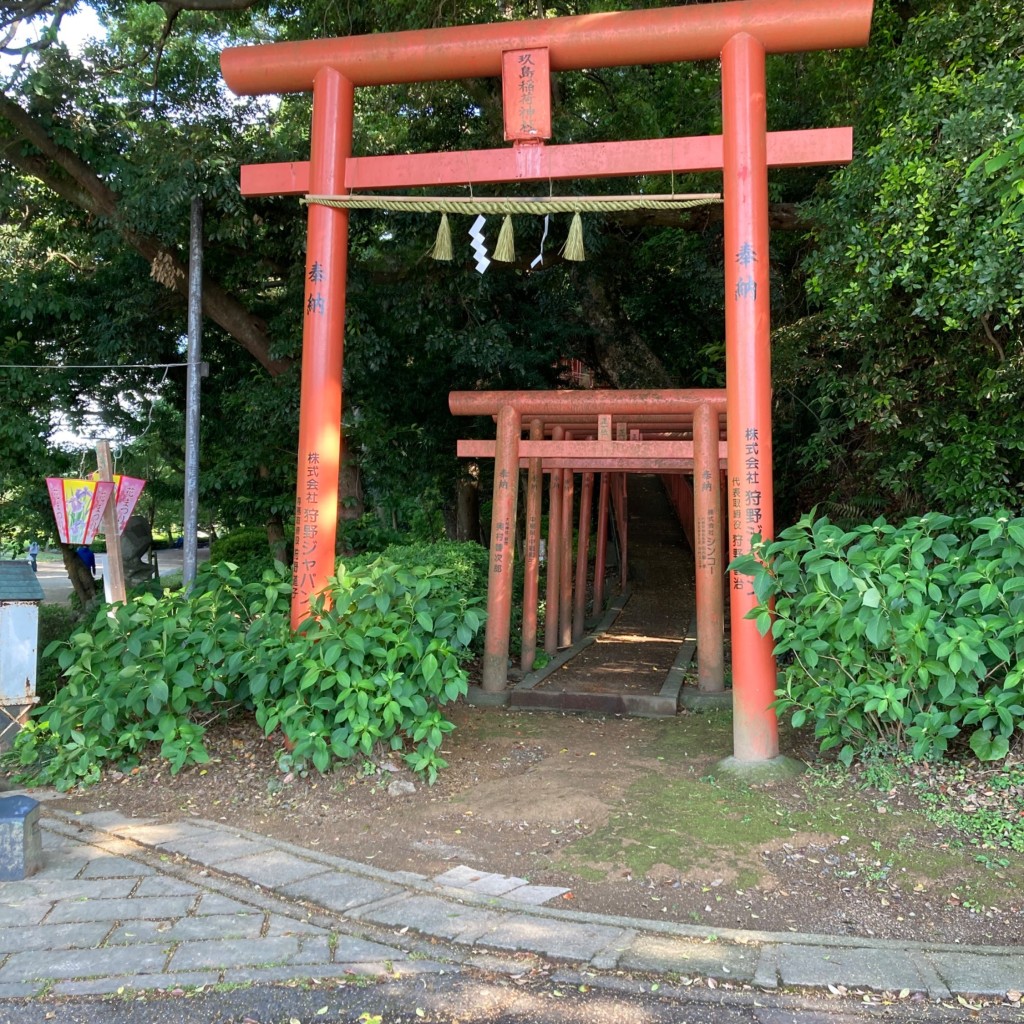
[(374, 665), (97, 170), (908, 375), (908, 636)]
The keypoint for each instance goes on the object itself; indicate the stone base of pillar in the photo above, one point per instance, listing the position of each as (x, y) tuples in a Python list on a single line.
[(480, 698), (771, 770)]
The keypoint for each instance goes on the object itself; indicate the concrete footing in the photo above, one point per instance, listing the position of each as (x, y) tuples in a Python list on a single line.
[(761, 771)]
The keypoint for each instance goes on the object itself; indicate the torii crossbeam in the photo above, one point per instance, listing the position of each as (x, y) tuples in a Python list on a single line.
[(738, 33)]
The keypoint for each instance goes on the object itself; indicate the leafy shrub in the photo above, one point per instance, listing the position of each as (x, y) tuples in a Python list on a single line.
[(374, 663), (907, 635), (379, 656), (367, 533), (463, 563), (157, 585), (56, 623), (247, 549), (148, 671)]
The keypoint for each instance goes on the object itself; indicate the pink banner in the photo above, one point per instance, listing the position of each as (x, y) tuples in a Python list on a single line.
[(78, 507), (129, 490), (56, 488)]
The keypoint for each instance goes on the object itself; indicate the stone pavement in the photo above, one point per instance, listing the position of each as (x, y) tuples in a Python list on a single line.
[(128, 904)]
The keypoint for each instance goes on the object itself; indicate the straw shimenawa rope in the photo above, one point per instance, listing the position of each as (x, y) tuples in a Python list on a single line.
[(539, 206), (505, 248)]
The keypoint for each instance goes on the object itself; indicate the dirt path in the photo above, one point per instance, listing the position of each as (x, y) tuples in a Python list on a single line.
[(636, 653)]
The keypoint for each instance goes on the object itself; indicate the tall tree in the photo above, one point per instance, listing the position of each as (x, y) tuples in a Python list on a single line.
[(909, 372)]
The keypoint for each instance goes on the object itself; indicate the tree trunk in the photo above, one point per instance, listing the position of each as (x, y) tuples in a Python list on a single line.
[(351, 504), (62, 170), (622, 354), (81, 578), (277, 540), (467, 518)]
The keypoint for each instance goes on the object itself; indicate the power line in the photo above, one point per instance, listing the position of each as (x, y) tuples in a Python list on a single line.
[(90, 366)]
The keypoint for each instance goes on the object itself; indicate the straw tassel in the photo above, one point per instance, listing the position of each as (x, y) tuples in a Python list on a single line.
[(505, 250), (573, 248), (443, 243)]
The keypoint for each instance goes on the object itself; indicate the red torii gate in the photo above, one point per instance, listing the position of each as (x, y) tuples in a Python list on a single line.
[(740, 33)]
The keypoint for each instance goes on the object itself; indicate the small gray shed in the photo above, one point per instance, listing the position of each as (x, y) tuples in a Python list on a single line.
[(20, 596)]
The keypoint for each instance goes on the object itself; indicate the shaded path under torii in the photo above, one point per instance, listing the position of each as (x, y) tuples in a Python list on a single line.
[(637, 663)]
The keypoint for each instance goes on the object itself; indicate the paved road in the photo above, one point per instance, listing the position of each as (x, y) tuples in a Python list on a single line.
[(53, 577), (125, 906)]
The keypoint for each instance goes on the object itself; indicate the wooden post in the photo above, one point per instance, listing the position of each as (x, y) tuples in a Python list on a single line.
[(531, 577), (601, 558), (503, 529), (323, 331), (582, 558), (710, 579), (565, 556), (554, 555), (113, 578), (748, 380)]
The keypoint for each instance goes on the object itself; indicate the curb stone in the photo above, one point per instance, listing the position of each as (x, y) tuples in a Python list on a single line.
[(150, 878)]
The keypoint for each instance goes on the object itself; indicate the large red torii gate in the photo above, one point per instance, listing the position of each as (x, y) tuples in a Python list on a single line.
[(740, 33)]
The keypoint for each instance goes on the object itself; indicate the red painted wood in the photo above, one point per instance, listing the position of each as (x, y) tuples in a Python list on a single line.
[(531, 568), (579, 608), (811, 147), (565, 562), (316, 504), (710, 576), (601, 556), (590, 453), (568, 403), (749, 381), (494, 673), (554, 547), (526, 94), (609, 39)]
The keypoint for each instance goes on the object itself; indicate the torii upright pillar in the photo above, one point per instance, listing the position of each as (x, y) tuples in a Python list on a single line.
[(748, 379), (323, 330)]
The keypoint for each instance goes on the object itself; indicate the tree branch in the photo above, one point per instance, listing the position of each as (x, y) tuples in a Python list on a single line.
[(14, 15), (71, 178), (172, 8), (992, 339)]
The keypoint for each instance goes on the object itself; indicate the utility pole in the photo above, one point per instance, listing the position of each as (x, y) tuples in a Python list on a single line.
[(190, 526)]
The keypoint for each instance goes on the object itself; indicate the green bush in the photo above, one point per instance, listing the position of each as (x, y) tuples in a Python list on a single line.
[(910, 636), (156, 586), (56, 623), (374, 664), (148, 671), (463, 563), (379, 656), (464, 566), (366, 534), (248, 550)]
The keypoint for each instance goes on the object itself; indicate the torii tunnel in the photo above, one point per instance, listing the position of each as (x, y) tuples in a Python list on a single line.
[(739, 34), (604, 434)]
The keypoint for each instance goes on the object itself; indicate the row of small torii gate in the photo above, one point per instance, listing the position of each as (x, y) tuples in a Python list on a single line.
[(681, 427)]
